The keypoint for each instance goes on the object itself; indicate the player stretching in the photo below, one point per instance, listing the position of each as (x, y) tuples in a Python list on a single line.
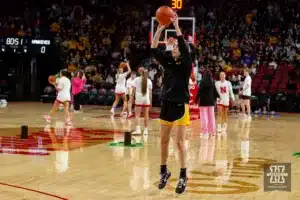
[(142, 90), (225, 91), (175, 97), (121, 89), (246, 95), (63, 86), (129, 87)]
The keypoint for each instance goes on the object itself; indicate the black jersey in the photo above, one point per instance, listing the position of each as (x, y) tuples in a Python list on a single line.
[(177, 73), (235, 87)]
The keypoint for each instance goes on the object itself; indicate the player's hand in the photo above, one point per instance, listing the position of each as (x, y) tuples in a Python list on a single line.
[(175, 20)]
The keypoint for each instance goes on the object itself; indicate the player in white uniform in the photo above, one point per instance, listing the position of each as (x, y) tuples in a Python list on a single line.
[(63, 86), (142, 92), (246, 95), (225, 91), (120, 90), (129, 88), (61, 106)]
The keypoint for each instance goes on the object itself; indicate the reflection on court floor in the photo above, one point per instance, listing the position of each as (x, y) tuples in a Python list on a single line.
[(59, 162)]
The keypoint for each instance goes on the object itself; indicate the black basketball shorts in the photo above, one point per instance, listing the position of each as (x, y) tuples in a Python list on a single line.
[(244, 97), (176, 114)]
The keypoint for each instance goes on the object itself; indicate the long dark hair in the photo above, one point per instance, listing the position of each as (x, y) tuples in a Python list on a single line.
[(66, 73), (79, 74), (144, 81), (207, 80)]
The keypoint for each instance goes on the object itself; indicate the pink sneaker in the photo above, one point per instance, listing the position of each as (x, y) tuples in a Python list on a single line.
[(68, 123), (130, 116), (47, 118)]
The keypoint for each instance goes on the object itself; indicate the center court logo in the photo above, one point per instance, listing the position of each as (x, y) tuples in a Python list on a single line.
[(42, 142), (277, 176)]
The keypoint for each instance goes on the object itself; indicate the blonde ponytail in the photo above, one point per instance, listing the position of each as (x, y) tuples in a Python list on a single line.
[(144, 82)]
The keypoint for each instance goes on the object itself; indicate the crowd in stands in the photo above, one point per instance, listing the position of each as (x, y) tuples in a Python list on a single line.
[(229, 38), (266, 34)]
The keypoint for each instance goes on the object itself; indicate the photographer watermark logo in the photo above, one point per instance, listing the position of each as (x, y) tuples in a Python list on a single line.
[(277, 176)]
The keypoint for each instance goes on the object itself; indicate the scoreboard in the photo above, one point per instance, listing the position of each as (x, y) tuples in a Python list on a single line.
[(177, 4), (23, 45)]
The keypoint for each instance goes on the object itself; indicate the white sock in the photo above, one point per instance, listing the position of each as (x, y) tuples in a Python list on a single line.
[(145, 131), (219, 126), (138, 129)]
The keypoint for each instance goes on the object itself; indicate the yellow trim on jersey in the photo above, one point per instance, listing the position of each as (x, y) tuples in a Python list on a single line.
[(183, 121)]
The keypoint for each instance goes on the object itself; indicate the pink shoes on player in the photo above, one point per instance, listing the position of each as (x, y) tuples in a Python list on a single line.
[(47, 118), (131, 115), (68, 123)]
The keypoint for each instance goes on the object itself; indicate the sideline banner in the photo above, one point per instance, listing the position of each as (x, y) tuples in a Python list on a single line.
[(194, 109), (193, 92)]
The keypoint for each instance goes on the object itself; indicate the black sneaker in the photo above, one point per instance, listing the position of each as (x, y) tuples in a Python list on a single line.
[(181, 185), (163, 180)]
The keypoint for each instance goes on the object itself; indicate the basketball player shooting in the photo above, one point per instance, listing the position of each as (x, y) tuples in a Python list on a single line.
[(175, 97)]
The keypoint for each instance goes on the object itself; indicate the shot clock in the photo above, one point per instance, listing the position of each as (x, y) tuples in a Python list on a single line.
[(25, 45), (177, 4)]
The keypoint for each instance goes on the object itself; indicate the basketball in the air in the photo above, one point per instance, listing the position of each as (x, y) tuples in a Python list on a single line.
[(51, 79), (164, 15), (122, 65)]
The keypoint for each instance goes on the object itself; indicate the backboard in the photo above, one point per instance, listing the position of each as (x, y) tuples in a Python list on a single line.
[(187, 24)]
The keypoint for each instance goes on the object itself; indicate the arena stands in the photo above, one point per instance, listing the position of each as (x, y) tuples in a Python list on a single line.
[(260, 35)]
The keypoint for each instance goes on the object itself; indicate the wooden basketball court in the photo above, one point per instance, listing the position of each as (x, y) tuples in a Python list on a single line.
[(77, 163)]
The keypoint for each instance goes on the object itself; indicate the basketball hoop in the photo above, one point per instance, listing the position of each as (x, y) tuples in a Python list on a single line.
[(189, 38)]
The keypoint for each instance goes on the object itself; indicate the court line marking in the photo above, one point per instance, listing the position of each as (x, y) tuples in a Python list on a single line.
[(35, 191)]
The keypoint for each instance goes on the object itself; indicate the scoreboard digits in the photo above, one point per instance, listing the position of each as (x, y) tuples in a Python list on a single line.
[(24, 45), (43, 49), (12, 41), (177, 4)]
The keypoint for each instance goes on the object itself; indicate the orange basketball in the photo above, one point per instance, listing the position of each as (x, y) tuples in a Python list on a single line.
[(164, 15), (122, 65), (51, 79)]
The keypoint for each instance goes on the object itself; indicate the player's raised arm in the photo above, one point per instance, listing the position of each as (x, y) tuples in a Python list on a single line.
[(156, 52), (156, 36), (128, 68), (183, 47)]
